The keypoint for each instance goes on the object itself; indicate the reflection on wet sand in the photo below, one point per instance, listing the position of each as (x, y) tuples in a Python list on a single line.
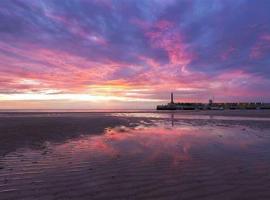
[(32, 130), (172, 119), (154, 159)]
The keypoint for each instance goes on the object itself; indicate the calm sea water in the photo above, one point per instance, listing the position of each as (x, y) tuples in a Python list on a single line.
[(148, 113)]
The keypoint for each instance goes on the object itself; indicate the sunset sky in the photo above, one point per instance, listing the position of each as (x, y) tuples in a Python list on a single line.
[(132, 53)]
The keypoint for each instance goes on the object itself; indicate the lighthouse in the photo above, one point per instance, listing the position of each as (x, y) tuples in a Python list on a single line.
[(172, 98)]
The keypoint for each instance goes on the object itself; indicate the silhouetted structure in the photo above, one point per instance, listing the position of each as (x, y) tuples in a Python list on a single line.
[(213, 106), (172, 98)]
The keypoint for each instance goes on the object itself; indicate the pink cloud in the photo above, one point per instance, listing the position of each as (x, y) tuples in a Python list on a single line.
[(163, 35), (261, 47), (227, 53), (54, 69)]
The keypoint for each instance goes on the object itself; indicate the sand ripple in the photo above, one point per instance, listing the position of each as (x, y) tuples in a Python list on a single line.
[(150, 162)]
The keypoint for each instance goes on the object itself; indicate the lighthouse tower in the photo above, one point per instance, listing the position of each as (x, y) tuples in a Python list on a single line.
[(172, 98)]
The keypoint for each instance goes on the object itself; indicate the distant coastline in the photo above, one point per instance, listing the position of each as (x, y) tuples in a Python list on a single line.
[(213, 106)]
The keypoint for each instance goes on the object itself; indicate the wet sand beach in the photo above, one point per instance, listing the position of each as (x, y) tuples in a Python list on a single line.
[(135, 155)]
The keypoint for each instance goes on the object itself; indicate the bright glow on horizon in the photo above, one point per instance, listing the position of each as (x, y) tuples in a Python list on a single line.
[(72, 97)]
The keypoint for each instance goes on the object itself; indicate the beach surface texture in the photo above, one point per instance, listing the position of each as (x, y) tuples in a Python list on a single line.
[(135, 155)]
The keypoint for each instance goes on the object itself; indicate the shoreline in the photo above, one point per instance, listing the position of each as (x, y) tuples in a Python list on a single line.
[(233, 113)]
